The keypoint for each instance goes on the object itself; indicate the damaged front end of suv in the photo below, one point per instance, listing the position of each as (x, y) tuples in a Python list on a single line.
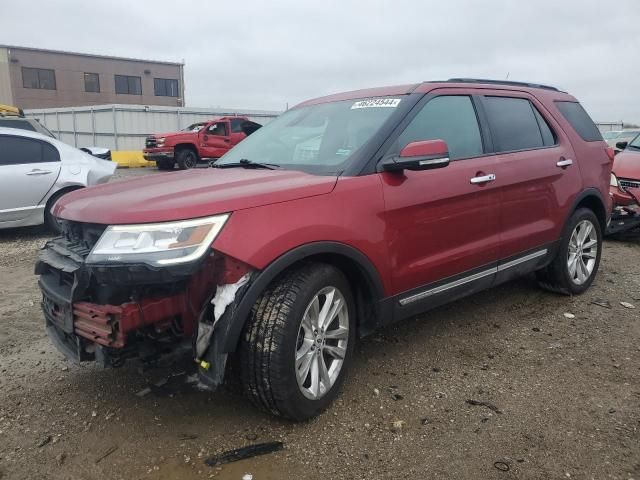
[(113, 293)]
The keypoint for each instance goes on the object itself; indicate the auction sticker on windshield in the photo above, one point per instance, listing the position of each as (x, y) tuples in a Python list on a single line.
[(376, 102)]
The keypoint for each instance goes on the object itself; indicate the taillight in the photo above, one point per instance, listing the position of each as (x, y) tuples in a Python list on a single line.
[(611, 153)]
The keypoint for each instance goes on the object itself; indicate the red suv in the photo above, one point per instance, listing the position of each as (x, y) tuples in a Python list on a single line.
[(345, 214)]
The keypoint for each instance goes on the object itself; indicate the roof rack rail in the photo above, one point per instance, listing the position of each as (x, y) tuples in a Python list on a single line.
[(502, 82)]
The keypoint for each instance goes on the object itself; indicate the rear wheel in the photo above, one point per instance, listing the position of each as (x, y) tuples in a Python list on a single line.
[(186, 158), (578, 257), (165, 164), (298, 343)]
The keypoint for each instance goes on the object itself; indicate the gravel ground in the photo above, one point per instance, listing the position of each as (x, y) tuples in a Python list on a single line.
[(509, 383)]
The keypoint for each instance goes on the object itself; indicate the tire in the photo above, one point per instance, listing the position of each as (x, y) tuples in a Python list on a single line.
[(50, 222), (274, 335), (558, 276), (186, 158), (165, 164)]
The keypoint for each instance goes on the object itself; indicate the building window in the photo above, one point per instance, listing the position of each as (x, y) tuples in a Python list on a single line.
[(165, 87), (40, 78), (128, 85), (92, 82)]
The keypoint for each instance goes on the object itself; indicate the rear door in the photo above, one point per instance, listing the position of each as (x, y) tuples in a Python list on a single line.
[(28, 170), (237, 135), (216, 140), (442, 225), (538, 176)]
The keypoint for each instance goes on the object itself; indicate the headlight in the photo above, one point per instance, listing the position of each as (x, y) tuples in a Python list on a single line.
[(157, 244), (160, 141), (614, 181)]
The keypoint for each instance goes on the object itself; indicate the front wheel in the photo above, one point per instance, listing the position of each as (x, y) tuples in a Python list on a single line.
[(186, 158), (298, 343), (578, 257)]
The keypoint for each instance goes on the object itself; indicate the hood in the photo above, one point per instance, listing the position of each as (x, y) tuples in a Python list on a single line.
[(170, 134), (190, 194), (627, 164)]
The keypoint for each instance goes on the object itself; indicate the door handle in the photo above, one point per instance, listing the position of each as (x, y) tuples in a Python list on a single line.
[(39, 172), (483, 179), (565, 162)]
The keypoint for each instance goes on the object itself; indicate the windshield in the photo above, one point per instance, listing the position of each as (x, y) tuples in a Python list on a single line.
[(194, 127), (610, 135), (316, 138), (635, 143)]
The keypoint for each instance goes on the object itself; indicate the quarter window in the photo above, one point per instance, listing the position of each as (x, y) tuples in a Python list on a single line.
[(449, 118), (165, 87), (18, 150), (580, 121), (513, 124), (92, 82), (128, 85), (39, 78)]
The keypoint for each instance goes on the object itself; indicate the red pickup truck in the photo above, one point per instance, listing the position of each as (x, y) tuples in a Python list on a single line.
[(201, 141)]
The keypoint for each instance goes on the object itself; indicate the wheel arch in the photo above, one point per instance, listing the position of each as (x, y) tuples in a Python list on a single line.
[(55, 195), (360, 272), (187, 145), (592, 199)]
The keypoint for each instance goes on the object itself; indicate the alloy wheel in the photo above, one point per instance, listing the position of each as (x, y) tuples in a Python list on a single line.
[(583, 252), (322, 343)]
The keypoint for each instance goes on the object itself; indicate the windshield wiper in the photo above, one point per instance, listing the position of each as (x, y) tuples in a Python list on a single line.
[(245, 163)]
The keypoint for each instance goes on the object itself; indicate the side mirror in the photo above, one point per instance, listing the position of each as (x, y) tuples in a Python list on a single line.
[(621, 145), (424, 155)]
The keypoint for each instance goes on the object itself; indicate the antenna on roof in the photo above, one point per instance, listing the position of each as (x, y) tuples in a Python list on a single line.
[(507, 77)]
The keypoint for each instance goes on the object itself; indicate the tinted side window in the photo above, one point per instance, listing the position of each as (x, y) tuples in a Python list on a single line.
[(580, 121), (236, 125), (513, 124), (21, 124), (449, 118), (548, 137), (16, 150)]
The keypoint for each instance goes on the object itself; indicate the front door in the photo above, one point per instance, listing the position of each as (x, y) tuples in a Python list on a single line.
[(442, 224), (215, 140), (28, 170)]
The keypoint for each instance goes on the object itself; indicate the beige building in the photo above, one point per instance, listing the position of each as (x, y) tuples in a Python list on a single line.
[(37, 78)]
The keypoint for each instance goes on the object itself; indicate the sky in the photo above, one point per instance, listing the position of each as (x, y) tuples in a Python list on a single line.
[(270, 54)]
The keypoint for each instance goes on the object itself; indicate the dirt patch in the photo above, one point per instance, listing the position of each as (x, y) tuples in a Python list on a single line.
[(567, 389)]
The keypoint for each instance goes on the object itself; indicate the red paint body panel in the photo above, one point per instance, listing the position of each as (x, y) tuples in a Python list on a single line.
[(188, 194), (365, 93), (353, 214), (425, 148), (438, 223), (627, 165)]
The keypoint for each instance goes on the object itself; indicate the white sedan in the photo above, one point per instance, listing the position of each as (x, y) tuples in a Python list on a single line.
[(36, 170)]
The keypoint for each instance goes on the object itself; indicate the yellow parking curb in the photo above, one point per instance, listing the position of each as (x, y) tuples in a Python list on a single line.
[(130, 159)]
